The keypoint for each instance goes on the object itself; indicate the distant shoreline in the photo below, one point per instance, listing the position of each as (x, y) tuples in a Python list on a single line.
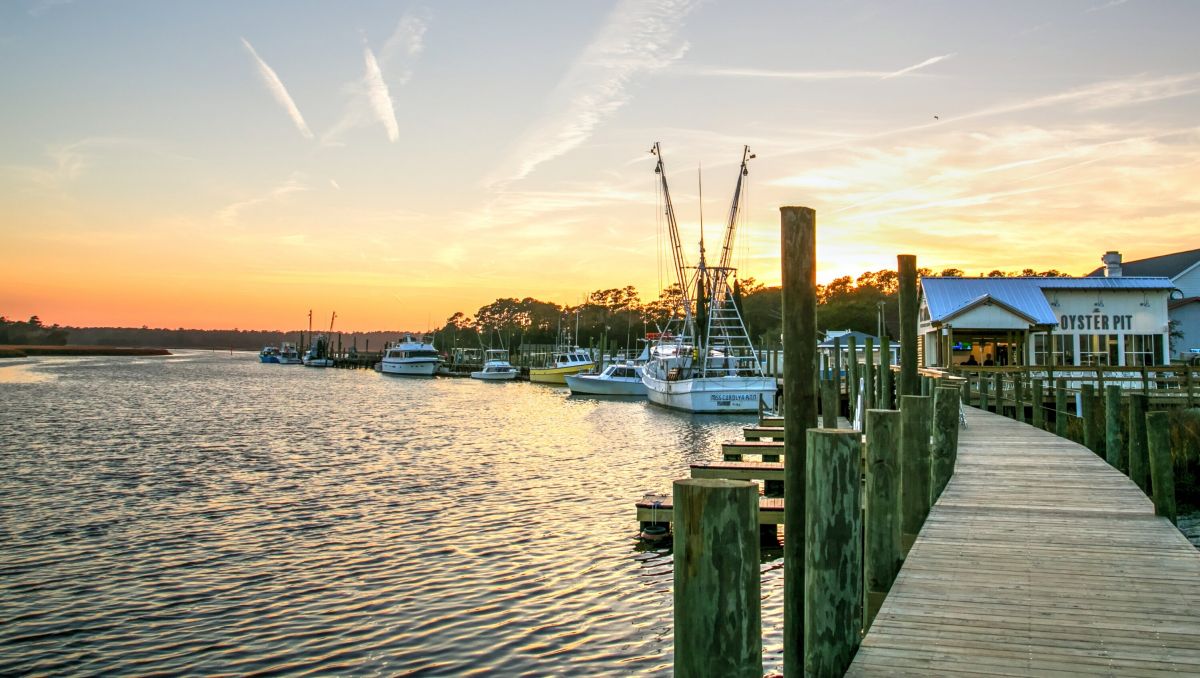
[(22, 351)]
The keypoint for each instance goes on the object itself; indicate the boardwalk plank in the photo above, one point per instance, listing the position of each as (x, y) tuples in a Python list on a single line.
[(1039, 558)]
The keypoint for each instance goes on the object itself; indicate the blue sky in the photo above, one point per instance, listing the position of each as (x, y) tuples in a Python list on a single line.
[(234, 164)]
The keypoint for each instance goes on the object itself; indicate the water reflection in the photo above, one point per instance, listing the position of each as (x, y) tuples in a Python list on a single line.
[(206, 513)]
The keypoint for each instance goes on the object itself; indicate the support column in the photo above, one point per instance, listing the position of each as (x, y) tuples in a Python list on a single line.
[(906, 268), (798, 227), (883, 551), (916, 414)]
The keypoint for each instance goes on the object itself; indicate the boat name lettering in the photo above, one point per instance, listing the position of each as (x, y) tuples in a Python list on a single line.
[(733, 396)]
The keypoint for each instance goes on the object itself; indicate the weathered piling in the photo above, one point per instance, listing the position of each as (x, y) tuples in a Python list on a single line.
[(906, 269), (833, 588), (998, 392), (799, 297), (718, 624), (1162, 473), (1114, 451), (1087, 411), (837, 376), (944, 450), (1039, 405), (883, 551), (829, 403), (983, 393), (852, 378), (869, 375), (1139, 456), (1060, 408), (1018, 398), (916, 414), (885, 373)]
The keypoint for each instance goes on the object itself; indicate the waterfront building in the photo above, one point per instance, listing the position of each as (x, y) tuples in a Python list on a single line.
[(839, 340), (1088, 321), (1183, 310)]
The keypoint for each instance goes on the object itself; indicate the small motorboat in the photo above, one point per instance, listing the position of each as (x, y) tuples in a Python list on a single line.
[(269, 354), (621, 379), (496, 367)]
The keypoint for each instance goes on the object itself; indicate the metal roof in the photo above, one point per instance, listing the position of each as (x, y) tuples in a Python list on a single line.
[(946, 297), (1169, 265)]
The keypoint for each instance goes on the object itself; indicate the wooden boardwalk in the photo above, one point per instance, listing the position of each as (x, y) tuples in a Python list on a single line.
[(1038, 559)]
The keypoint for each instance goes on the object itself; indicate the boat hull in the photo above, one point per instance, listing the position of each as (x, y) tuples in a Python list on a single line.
[(582, 384), (409, 369), (712, 394), (269, 359), (556, 375), (318, 362), (494, 376)]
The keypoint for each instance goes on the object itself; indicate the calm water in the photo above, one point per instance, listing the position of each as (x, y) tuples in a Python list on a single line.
[(204, 513)]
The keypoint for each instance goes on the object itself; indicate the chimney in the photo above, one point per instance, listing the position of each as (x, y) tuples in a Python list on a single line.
[(1112, 264)]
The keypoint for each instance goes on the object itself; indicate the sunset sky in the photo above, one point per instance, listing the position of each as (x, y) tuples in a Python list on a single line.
[(235, 164)]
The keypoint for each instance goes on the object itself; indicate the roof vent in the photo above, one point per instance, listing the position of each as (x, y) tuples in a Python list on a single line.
[(1112, 264)]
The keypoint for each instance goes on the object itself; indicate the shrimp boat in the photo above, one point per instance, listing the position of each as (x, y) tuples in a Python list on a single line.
[(288, 355), (703, 360), (496, 366)]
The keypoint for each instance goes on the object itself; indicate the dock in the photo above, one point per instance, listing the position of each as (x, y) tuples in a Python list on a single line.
[(1039, 558)]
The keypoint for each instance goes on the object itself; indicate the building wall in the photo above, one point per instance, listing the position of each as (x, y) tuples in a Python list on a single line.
[(1189, 282), (1189, 323), (1120, 314)]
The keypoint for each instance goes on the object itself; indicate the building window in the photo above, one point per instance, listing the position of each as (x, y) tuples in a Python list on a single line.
[(1098, 349), (1142, 349), (1063, 349)]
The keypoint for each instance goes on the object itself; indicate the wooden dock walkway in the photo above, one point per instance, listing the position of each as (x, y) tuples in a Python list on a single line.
[(1039, 558)]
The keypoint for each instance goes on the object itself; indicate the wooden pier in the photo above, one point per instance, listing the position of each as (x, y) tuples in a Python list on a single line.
[(1039, 558)]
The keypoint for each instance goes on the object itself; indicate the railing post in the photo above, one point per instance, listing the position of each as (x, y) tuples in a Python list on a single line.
[(799, 296), (883, 551), (1162, 473), (998, 387), (1139, 457), (945, 439), (1113, 450), (1018, 398), (833, 587), (916, 415), (1039, 405), (718, 622), (1060, 408), (1087, 406), (869, 375)]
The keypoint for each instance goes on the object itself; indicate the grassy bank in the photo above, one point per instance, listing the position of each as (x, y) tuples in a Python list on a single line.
[(20, 351)]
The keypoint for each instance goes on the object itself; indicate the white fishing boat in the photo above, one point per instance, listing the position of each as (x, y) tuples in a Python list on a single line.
[(317, 354), (496, 367), (618, 379), (704, 361), (288, 355), (410, 358)]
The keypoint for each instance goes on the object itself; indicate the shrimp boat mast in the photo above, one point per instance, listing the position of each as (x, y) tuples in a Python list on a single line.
[(704, 360)]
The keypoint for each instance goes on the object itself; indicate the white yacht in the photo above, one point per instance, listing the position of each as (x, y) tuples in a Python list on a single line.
[(411, 358), (496, 367), (620, 379), (704, 360)]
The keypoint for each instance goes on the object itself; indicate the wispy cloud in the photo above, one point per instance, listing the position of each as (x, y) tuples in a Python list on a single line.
[(1106, 5), (230, 213), (370, 97), (43, 6), (638, 37), (379, 96), (916, 67), (277, 90)]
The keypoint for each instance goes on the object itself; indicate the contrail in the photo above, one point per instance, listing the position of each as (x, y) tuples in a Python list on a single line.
[(378, 95), (275, 85)]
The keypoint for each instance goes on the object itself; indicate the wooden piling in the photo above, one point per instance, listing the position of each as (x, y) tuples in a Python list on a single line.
[(1039, 405), (983, 393), (886, 398), (906, 269), (1162, 473), (829, 403), (944, 450), (998, 391), (852, 378), (1060, 408), (1018, 398), (1087, 411), (916, 415), (833, 588), (798, 227), (869, 375), (882, 507), (1114, 451), (1139, 456), (837, 377), (718, 624)]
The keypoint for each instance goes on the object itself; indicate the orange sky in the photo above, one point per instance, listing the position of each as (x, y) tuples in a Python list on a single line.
[(169, 170)]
